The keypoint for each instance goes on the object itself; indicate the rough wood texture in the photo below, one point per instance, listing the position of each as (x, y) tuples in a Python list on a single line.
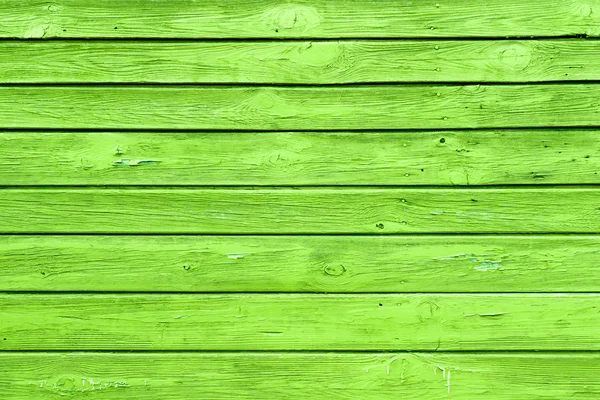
[(299, 62), (249, 376), (289, 211), (299, 322), (300, 263), (274, 189), (302, 18), (505, 157), (306, 108)]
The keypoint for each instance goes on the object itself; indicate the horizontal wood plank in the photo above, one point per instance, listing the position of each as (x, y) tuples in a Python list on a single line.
[(371, 376), (300, 19), (299, 62), (300, 263), (295, 211), (506, 157), (305, 108), (300, 322)]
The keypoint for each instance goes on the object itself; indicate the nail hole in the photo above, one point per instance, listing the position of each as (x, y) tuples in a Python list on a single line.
[(380, 226), (186, 267), (442, 140)]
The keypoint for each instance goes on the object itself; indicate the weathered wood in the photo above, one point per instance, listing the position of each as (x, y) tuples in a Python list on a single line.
[(302, 18), (371, 376), (301, 158), (299, 62), (306, 108), (294, 211), (300, 263), (300, 322)]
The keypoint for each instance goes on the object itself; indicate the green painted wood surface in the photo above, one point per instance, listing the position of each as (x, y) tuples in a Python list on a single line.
[(300, 263), (372, 376), (299, 62), (546, 156), (306, 108), (300, 321), (319, 225), (293, 211), (302, 18)]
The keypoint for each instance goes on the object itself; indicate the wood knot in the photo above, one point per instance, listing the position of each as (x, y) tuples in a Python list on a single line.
[(586, 10), (296, 17), (515, 57), (334, 270)]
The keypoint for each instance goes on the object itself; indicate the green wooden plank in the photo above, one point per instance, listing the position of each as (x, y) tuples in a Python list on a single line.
[(561, 156), (371, 376), (302, 18), (306, 108), (289, 211), (299, 62), (300, 322), (300, 263)]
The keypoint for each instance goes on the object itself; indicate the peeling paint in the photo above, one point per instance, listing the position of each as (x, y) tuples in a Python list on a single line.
[(488, 265), (446, 373), (483, 261), (497, 314), (69, 385), (237, 256), (123, 162)]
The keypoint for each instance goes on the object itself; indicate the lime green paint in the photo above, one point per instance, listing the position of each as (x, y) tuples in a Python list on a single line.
[(306, 202), (299, 62), (301, 263), (293, 211), (300, 321), (300, 18), (289, 108), (301, 158), (250, 376)]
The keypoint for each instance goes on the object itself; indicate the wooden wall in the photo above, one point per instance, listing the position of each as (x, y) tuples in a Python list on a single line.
[(317, 199)]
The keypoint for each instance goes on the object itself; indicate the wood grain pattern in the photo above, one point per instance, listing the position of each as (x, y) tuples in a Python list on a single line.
[(251, 199), (299, 62), (559, 156), (371, 376), (306, 108), (295, 211), (302, 18), (300, 322), (300, 263)]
